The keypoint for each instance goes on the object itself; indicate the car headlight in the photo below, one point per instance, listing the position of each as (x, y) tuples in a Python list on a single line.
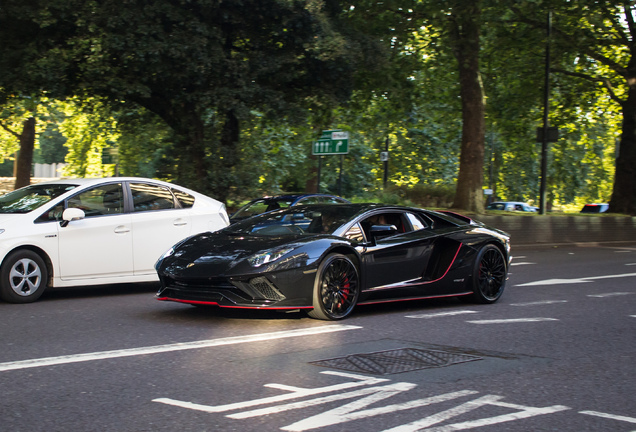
[(165, 255), (268, 257)]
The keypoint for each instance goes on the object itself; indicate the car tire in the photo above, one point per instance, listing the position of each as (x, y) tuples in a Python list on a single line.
[(336, 288), (23, 277), (489, 275)]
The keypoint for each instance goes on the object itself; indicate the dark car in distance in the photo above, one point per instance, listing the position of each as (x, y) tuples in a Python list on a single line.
[(350, 254), (269, 203), (595, 208)]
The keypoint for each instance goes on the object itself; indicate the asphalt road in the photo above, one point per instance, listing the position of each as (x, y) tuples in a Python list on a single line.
[(557, 353)]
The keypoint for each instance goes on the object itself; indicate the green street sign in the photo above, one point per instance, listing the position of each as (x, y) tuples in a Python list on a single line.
[(331, 143)]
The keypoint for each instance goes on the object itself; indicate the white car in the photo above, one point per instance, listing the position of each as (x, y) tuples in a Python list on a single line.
[(511, 206), (76, 232)]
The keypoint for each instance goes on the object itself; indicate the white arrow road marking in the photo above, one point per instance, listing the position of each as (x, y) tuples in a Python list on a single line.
[(524, 412), (295, 392), (609, 416), (575, 281), (49, 361)]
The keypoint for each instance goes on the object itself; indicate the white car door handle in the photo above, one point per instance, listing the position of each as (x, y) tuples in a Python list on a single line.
[(122, 229), (180, 222)]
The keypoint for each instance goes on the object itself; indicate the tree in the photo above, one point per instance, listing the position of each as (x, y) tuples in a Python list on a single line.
[(200, 66), (465, 28), (595, 42), (24, 110)]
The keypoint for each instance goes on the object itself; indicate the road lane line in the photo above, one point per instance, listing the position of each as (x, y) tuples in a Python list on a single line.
[(609, 416), (76, 358), (539, 303), (441, 314), (515, 320), (614, 294)]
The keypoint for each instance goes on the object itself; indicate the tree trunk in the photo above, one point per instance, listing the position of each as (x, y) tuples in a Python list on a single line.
[(624, 192), (230, 135), (465, 31), (25, 156), (192, 167)]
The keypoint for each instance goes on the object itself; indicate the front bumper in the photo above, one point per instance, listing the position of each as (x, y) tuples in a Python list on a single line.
[(287, 290)]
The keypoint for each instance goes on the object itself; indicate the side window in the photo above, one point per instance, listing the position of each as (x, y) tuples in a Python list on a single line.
[(185, 199), (394, 219), (332, 200), (149, 197), (51, 215), (310, 200), (355, 233), (99, 201), (416, 222)]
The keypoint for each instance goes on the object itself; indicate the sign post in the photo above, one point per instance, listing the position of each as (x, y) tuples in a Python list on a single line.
[(331, 142)]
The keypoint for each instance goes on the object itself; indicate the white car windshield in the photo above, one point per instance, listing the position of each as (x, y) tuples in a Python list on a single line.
[(29, 198)]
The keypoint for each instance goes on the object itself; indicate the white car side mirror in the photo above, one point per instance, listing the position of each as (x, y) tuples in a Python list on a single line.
[(71, 214)]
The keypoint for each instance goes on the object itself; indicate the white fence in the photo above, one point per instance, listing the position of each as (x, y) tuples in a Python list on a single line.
[(48, 170)]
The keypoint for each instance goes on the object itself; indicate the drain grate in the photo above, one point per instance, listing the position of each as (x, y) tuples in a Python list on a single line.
[(396, 361)]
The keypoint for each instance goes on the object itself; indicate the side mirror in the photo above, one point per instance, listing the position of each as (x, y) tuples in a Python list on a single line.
[(378, 231), (71, 214)]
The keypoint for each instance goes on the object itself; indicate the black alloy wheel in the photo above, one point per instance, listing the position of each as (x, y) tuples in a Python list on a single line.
[(489, 276), (336, 288)]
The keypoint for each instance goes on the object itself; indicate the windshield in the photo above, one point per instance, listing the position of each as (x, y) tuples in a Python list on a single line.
[(310, 219), (261, 206), (29, 198)]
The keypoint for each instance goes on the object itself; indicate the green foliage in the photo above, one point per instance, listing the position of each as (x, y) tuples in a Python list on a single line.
[(172, 71), (88, 133)]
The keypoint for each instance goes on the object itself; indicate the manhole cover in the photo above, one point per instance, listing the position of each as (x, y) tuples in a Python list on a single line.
[(396, 361)]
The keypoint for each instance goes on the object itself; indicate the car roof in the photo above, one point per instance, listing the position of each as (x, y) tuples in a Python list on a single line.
[(87, 181), (290, 196)]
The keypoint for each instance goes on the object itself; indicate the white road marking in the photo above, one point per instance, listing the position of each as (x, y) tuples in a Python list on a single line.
[(575, 281), (365, 402), (442, 314), (523, 412), (539, 303), (295, 392), (522, 263), (515, 320), (49, 361), (614, 294), (630, 264), (609, 416)]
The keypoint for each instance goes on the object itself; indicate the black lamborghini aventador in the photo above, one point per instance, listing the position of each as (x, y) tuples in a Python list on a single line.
[(348, 254)]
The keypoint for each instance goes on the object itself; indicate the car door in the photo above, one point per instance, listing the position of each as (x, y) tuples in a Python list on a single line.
[(100, 244), (393, 264), (157, 222)]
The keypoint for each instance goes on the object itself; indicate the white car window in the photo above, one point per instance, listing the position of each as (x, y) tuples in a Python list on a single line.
[(149, 197), (99, 201), (185, 199)]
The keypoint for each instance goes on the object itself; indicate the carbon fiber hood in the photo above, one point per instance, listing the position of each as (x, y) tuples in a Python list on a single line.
[(222, 254)]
